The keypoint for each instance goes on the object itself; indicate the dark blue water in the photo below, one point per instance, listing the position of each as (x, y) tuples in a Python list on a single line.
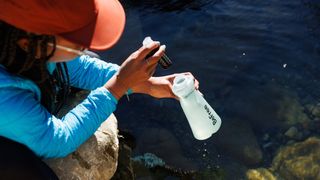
[(258, 66)]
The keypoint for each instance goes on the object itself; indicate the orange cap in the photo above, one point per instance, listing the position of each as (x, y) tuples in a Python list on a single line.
[(96, 24)]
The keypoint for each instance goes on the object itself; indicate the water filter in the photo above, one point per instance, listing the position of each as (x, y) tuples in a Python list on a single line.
[(164, 61), (203, 120)]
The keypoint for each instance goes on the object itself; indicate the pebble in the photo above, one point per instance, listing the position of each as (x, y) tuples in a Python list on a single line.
[(292, 132)]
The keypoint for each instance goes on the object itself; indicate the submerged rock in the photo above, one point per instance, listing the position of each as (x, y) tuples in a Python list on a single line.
[(299, 161), (95, 159), (260, 174), (292, 133), (291, 111), (164, 145), (238, 140), (267, 107), (149, 160)]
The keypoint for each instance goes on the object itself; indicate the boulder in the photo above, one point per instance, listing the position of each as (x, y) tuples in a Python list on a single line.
[(95, 159), (237, 139), (298, 161), (164, 145)]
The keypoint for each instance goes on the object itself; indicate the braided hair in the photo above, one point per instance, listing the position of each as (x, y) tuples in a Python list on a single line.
[(31, 64)]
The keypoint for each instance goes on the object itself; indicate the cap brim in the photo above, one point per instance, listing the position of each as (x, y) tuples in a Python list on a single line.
[(105, 31)]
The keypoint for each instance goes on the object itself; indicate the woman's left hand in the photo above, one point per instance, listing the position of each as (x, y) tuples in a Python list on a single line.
[(160, 87)]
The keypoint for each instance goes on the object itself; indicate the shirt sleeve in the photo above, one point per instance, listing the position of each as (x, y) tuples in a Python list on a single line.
[(25, 120), (90, 73)]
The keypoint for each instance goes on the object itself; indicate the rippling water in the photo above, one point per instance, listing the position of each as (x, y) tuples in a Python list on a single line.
[(257, 62)]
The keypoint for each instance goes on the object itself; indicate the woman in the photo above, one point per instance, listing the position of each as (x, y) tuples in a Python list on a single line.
[(42, 43)]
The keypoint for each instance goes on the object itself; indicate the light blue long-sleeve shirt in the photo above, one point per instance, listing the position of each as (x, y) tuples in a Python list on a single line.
[(25, 120)]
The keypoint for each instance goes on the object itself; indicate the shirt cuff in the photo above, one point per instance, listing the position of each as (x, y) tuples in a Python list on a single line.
[(104, 91), (129, 92)]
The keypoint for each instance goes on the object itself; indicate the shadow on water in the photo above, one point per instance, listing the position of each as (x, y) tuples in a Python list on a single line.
[(156, 6), (257, 63)]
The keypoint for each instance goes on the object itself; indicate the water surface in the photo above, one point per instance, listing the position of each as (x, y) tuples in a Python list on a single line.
[(258, 66)]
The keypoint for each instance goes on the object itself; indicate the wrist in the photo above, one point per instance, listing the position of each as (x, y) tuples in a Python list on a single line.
[(143, 87), (116, 87)]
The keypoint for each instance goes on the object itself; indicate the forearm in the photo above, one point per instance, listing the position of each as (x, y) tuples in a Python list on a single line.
[(90, 73), (32, 125)]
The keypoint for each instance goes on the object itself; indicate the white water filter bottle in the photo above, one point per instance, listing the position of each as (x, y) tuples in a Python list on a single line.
[(203, 120)]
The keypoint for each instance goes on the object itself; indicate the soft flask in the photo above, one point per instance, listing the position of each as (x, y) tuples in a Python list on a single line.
[(203, 120)]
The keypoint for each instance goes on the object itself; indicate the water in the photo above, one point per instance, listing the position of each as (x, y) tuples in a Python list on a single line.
[(257, 63)]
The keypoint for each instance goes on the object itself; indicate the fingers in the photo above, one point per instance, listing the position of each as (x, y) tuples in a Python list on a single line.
[(145, 50), (172, 76), (196, 84), (157, 55), (152, 70), (152, 61)]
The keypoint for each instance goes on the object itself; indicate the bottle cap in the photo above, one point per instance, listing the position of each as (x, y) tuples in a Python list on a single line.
[(183, 85)]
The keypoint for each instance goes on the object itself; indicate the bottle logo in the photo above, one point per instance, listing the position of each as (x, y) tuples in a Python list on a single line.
[(210, 116)]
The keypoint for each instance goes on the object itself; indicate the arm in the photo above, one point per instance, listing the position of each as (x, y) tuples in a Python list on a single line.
[(25, 120), (90, 73)]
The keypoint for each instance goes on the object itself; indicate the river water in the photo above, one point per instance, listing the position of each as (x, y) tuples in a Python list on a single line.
[(258, 66)]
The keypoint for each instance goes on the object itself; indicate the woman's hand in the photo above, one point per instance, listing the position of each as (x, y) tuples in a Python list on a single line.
[(135, 69), (160, 87)]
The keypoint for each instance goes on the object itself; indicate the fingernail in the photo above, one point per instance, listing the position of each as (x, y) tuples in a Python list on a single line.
[(151, 44), (163, 47)]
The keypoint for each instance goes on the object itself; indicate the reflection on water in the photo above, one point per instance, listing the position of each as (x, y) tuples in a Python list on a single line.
[(257, 63)]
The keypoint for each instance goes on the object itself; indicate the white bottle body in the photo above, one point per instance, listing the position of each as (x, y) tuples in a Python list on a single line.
[(203, 120)]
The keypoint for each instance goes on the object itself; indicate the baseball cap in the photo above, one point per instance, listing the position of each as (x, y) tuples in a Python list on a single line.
[(95, 24)]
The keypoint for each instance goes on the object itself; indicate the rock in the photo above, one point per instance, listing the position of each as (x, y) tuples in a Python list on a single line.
[(164, 145), (149, 160), (298, 161), (95, 159), (291, 111), (237, 139), (292, 133), (314, 109), (260, 174), (267, 107)]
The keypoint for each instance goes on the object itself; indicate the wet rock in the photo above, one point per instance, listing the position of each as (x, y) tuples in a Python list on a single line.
[(291, 110), (266, 137), (164, 145), (238, 140), (314, 109), (298, 161), (260, 174), (292, 133), (95, 159), (256, 107), (149, 166), (149, 160)]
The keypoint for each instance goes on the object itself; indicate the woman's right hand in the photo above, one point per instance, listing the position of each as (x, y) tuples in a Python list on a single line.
[(135, 69)]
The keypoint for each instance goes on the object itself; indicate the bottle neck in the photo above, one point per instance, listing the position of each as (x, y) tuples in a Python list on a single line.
[(183, 85)]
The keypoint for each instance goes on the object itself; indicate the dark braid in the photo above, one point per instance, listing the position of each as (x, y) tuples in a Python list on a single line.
[(33, 65), (12, 45), (31, 53)]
